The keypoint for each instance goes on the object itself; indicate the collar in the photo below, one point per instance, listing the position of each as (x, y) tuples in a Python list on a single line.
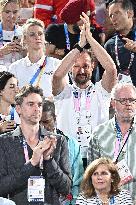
[(130, 35), (18, 132), (113, 120), (38, 63), (86, 89)]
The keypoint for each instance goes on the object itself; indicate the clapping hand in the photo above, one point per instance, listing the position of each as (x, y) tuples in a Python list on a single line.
[(44, 149), (86, 22)]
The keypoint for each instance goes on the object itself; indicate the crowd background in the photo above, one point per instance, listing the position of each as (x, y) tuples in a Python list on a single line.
[(73, 53)]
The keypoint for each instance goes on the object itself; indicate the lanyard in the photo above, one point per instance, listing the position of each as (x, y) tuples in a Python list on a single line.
[(77, 103), (12, 111), (77, 99), (38, 74), (24, 143), (112, 200), (67, 36), (26, 154), (1, 34), (117, 55), (118, 140)]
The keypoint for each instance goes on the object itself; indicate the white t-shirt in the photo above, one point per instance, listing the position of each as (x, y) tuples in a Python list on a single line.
[(77, 117), (4, 201), (8, 117), (24, 70), (8, 59)]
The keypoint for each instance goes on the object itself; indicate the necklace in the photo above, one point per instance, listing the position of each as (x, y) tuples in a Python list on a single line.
[(105, 202)]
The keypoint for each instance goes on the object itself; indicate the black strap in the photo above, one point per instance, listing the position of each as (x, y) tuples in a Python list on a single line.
[(130, 130)]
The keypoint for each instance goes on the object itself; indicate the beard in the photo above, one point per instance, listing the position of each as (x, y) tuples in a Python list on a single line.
[(76, 29), (81, 81)]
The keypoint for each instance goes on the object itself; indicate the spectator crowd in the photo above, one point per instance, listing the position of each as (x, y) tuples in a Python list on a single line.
[(67, 102)]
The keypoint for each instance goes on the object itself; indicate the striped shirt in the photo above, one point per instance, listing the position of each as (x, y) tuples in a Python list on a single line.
[(123, 198), (102, 144)]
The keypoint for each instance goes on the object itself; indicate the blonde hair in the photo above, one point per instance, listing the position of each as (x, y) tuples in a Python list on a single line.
[(30, 22), (3, 3)]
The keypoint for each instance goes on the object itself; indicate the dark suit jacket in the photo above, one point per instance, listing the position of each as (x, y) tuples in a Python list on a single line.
[(14, 173)]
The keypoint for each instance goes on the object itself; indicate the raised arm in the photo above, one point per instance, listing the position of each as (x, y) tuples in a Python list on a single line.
[(110, 74), (59, 81)]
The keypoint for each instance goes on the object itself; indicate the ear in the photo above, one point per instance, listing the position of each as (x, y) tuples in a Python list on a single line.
[(18, 109), (130, 13), (113, 103)]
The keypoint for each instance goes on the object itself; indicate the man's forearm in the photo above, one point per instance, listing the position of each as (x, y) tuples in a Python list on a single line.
[(59, 82), (101, 54)]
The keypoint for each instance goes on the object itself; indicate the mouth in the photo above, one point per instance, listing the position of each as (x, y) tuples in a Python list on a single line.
[(81, 76)]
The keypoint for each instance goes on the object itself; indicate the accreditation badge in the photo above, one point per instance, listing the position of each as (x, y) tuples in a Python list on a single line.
[(122, 78), (36, 186), (124, 172)]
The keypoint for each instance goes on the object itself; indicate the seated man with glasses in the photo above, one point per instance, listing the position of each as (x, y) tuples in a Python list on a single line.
[(116, 137)]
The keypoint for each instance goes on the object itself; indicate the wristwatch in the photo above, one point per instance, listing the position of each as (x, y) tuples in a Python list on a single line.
[(78, 47)]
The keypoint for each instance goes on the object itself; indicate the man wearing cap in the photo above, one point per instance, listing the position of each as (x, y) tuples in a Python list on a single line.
[(62, 37)]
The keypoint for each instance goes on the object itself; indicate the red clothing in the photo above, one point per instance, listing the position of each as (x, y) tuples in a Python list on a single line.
[(45, 10)]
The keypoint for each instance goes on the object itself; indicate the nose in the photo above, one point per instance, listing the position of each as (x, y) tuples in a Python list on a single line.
[(99, 176), (36, 107), (37, 36), (17, 89), (11, 14), (82, 70)]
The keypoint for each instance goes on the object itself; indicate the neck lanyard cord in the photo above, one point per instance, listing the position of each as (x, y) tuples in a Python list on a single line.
[(129, 132)]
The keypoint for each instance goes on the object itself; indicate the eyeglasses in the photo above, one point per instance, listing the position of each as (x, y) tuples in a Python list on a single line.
[(124, 101)]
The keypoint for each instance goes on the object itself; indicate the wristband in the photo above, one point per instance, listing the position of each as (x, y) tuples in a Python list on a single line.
[(78, 47)]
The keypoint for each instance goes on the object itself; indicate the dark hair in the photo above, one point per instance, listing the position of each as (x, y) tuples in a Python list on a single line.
[(125, 4), (25, 91), (87, 187), (48, 106), (4, 77)]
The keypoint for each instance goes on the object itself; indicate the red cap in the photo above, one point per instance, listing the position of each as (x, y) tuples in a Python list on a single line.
[(73, 9)]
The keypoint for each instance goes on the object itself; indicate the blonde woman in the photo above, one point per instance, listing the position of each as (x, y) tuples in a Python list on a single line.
[(35, 68)]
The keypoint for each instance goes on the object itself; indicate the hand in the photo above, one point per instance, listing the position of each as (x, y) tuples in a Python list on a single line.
[(10, 47), (59, 52), (130, 44), (39, 150), (49, 152), (86, 22), (7, 125)]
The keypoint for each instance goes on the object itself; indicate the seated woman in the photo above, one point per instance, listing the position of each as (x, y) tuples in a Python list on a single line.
[(10, 33), (100, 185), (8, 89)]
